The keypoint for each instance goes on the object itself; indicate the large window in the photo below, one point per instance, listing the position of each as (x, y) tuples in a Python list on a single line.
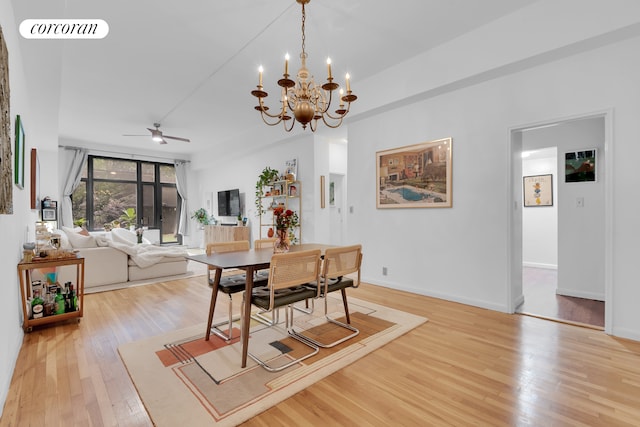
[(128, 193)]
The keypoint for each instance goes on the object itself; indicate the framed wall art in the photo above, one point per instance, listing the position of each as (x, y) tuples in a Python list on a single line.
[(6, 167), (580, 166), (415, 176), (19, 154), (537, 190), (35, 180)]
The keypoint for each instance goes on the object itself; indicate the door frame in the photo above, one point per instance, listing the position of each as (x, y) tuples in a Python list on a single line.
[(514, 210)]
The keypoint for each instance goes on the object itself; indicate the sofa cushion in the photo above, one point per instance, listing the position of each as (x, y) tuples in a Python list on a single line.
[(78, 240)]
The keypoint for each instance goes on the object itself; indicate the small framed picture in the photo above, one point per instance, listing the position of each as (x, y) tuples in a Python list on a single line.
[(580, 166), (48, 214), (537, 190)]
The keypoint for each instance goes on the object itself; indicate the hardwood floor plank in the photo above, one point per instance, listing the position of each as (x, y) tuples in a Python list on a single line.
[(466, 366)]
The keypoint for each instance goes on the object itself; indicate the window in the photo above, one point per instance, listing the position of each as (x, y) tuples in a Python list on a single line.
[(113, 193)]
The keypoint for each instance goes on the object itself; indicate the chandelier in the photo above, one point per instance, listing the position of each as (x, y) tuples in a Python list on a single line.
[(304, 98)]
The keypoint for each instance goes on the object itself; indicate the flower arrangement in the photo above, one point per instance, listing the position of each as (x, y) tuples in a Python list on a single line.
[(201, 216), (139, 232), (285, 219)]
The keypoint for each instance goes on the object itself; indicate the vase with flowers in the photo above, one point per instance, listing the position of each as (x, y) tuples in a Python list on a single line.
[(285, 221), (139, 232)]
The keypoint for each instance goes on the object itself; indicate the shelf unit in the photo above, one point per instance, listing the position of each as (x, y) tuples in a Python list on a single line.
[(24, 272), (289, 196)]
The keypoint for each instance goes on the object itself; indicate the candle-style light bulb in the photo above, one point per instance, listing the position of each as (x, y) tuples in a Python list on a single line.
[(260, 70), (286, 64), (347, 77), (329, 68), (341, 100)]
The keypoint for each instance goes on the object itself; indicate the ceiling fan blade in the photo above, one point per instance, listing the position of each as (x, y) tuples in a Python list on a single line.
[(162, 142), (177, 138), (133, 135)]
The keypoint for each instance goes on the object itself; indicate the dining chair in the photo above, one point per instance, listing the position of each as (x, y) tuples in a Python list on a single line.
[(264, 243), (337, 263), (290, 278), (229, 284)]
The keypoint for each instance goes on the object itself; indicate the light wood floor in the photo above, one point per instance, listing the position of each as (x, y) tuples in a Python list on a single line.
[(466, 366), (540, 299)]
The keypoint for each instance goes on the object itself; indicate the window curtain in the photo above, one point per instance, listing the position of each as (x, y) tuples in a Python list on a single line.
[(181, 186), (78, 159)]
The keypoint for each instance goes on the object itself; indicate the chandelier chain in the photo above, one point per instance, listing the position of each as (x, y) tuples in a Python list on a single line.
[(304, 18)]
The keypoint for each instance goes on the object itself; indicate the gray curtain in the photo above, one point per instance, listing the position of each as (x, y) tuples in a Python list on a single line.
[(181, 186), (78, 159)]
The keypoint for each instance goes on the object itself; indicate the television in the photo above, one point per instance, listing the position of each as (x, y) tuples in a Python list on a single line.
[(229, 202)]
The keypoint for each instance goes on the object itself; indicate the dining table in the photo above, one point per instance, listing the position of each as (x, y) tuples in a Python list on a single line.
[(250, 261)]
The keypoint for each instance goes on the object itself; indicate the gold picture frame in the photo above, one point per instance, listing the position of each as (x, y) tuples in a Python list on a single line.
[(415, 176)]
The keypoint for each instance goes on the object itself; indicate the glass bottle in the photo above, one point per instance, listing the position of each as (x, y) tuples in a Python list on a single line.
[(37, 305), (59, 302)]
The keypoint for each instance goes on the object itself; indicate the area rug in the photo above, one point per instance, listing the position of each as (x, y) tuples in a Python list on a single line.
[(184, 380)]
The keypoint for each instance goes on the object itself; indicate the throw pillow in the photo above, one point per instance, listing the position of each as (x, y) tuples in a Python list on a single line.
[(77, 240)]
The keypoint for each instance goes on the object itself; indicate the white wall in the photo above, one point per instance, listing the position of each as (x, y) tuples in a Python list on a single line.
[(14, 226), (540, 223), (461, 253), (221, 171)]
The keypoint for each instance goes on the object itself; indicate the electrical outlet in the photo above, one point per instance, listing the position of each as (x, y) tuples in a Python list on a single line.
[(580, 202), (384, 271)]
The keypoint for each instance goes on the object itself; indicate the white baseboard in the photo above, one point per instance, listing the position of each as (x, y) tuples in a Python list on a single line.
[(580, 294), (540, 265)]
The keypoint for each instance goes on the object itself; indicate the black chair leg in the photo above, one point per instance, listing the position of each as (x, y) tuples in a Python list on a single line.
[(346, 305)]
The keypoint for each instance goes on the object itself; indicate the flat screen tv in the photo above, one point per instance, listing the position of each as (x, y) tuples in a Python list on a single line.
[(229, 202)]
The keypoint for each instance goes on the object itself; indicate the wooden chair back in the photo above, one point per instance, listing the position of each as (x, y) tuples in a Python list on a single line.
[(342, 261), (221, 247), (264, 243), (292, 269)]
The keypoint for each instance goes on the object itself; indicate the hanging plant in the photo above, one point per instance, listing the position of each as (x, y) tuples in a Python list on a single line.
[(267, 177)]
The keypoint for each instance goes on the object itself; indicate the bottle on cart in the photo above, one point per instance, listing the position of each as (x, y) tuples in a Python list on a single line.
[(73, 299), (37, 305), (59, 302)]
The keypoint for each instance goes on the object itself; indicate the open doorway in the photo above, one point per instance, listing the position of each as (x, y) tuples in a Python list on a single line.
[(562, 235)]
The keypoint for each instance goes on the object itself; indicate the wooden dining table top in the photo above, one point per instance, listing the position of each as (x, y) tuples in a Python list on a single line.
[(260, 258)]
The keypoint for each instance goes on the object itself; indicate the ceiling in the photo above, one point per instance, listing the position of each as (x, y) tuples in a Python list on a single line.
[(191, 65)]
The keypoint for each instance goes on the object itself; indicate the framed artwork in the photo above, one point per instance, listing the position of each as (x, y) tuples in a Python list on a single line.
[(35, 180), (537, 190), (48, 214), (322, 196), (580, 166), (6, 165), (415, 176), (291, 167), (19, 156), (332, 193)]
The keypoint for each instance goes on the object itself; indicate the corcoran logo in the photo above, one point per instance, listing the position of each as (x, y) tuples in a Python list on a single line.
[(64, 29)]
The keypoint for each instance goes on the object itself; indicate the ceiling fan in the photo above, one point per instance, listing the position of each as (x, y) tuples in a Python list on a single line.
[(157, 135)]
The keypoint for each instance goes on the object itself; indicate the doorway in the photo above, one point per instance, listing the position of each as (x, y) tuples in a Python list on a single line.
[(559, 269), (336, 208)]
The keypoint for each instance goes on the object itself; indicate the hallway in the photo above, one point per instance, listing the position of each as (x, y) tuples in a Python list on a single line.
[(540, 300)]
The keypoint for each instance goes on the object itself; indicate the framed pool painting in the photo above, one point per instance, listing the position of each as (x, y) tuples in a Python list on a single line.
[(537, 190), (415, 176)]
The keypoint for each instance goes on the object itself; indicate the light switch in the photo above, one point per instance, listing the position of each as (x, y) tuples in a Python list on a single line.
[(580, 202)]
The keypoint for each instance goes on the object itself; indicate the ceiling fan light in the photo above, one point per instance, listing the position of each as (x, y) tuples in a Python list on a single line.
[(156, 135)]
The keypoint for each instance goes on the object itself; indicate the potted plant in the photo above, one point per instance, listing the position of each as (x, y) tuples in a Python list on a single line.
[(201, 216), (267, 177), (128, 217)]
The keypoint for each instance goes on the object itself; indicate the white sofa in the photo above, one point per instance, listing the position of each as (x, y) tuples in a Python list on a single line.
[(106, 265)]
